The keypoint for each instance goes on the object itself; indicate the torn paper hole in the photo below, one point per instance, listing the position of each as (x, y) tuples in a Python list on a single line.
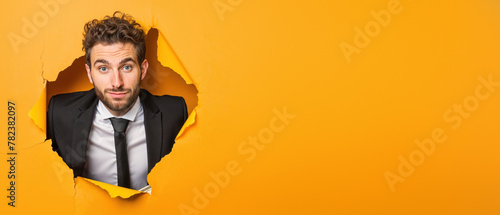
[(166, 75)]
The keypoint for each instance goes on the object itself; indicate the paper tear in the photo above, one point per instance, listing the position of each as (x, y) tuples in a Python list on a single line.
[(190, 121), (37, 113), (113, 190), (167, 58)]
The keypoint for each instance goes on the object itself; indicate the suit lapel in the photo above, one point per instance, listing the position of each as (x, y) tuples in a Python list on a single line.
[(153, 127), (81, 132)]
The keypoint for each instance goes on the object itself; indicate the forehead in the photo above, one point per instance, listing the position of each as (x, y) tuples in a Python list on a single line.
[(113, 52)]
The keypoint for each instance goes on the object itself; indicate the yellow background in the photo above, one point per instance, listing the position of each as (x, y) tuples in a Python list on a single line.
[(353, 121)]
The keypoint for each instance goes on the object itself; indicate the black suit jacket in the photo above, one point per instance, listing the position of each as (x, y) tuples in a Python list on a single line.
[(70, 116)]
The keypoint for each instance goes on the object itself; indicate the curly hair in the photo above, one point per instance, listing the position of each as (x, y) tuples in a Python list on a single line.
[(119, 28)]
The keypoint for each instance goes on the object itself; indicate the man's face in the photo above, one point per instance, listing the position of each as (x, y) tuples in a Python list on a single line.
[(116, 75)]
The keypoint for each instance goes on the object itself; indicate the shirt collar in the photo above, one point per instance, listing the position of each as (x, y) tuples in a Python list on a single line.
[(130, 115)]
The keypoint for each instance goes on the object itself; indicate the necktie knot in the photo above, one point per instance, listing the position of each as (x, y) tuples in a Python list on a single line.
[(119, 124)]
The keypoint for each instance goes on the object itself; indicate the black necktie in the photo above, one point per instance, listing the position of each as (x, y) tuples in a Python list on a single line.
[(120, 125)]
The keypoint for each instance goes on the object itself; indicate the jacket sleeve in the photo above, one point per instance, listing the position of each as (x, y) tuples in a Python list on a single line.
[(184, 109), (50, 126)]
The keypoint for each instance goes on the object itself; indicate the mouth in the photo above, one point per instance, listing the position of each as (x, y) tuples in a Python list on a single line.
[(117, 95)]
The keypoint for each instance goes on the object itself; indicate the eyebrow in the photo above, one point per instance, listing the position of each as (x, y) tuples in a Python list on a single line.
[(107, 63), (127, 60), (101, 61)]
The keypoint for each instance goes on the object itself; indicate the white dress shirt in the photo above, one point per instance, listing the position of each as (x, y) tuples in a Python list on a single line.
[(101, 155)]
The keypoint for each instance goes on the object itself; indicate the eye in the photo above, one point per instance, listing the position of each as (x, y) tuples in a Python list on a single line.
[(127, 68), (103, 69)]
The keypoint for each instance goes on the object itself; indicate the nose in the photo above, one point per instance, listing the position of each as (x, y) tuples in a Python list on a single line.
[(117, 79)]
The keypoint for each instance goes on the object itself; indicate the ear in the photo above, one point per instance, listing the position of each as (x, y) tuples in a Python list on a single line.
[(144, 68), (88, 73)]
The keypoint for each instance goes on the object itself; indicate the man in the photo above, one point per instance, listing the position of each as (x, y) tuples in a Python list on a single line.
[(115, 132)]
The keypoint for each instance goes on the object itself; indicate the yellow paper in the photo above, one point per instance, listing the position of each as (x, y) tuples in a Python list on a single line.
[(324, 107)]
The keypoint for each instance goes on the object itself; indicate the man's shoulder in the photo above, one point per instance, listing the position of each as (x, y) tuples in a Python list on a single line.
[(162, 98), (169, 98), (174, 105), (74, 99)]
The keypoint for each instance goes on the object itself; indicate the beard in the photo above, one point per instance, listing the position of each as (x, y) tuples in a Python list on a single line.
[(121, 105)]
